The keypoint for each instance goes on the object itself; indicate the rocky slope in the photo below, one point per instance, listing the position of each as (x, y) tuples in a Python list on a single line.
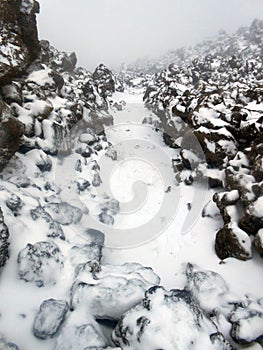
[(212, 96), (61, 294)]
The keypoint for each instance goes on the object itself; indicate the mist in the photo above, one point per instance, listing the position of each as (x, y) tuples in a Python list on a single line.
[(116, 31)]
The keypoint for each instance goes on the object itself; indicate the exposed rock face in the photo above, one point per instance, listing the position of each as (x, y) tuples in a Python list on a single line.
[(11, 131), (19, 37)]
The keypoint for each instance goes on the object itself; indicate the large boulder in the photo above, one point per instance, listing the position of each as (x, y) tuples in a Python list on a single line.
[(112, 290), (168, 320)]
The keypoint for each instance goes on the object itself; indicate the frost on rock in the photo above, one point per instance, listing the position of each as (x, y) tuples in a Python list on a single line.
[(49, 318), (40, 263), (111, 291), (167, 320)]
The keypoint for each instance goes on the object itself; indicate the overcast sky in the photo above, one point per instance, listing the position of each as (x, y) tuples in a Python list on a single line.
[(116, 31)]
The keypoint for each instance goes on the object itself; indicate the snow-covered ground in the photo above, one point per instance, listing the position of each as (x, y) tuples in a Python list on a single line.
[(178, 242), (158, 224)]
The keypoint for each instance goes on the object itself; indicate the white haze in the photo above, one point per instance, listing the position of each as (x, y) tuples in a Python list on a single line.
[(116, 31)]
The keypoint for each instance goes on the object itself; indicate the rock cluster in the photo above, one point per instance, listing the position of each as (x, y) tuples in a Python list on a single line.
[(210, 105)]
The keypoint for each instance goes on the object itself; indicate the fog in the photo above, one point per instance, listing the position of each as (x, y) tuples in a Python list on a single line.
[(116, 31)]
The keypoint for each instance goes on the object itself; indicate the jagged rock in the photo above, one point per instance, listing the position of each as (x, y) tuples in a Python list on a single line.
[(233, 242), (53, 228), (105, 80), (12, 93), (81, 337), (40, 263), (4, 345), (64, 213), (11, 131), (49, 318), (218, 145), (252, 221), (19, 37), (182, 326), (223, 199), (112, 290), (4, 244)]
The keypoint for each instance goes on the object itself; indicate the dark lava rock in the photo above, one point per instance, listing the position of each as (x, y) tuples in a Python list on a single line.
[(49, 318), (4, 235), (233, 242), (11, 131), (40, 263), (20, 44)]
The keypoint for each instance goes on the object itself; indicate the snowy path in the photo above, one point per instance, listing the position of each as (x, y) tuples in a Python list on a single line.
[(171, 250)]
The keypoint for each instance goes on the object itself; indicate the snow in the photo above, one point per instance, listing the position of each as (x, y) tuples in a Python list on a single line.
[(169, 234), (41, 77)]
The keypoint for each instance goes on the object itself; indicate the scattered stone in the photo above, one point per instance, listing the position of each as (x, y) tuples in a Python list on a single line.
[(49, 318)]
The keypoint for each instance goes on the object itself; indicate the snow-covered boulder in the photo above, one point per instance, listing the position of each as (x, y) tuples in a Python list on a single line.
[(167, 320), (112, 290), (49, 318), (247, 322), (40, 263), (233, 242)]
